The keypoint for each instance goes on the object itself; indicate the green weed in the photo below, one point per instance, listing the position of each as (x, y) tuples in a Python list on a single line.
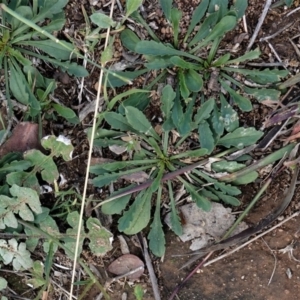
[(155, 154), (210, 123), (20, 45), (21, 212)]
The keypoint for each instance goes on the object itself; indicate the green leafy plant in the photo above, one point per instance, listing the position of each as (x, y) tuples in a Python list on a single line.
[(152, 155), (200, 66), (21, 211), (199, 110), (20, 43), (138, 292)]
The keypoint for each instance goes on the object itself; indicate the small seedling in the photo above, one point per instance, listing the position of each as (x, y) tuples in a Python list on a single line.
[(138, 292)]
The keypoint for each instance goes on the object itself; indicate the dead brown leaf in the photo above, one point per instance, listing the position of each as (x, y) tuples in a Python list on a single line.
[(99, 160), (25, 136), (137, 177)]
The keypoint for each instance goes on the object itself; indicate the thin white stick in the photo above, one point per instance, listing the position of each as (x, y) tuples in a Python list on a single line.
[(276, 55), (114, 279), (82, 80), (260, 21), (89, 161), (276, 33), (293, 11), (252, 240), (275, 262), (245, 24)]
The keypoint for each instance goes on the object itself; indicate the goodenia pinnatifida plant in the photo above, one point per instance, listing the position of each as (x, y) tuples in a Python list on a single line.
[(199, 65), (27, 38), (18, 50), (154, 154)]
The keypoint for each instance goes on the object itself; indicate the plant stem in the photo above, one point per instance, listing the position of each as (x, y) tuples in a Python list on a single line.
[(146, 161), (213, 50), (86, 289), (132, 171), (168, 176), (140, 19), (181, 140), (68, 252)]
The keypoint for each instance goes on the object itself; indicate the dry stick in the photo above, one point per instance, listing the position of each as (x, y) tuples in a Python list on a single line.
[(89, 161), (150, 269), (114, 279), (276, 54), (293, 11), (61, 288), (295, 48), (260, 21), (277, 32), (245, 24)]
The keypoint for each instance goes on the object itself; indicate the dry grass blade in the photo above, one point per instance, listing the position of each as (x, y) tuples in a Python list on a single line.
[(275, 261), (89, 161)]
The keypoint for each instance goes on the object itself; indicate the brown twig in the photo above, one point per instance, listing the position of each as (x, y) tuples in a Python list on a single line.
[(149, 265)]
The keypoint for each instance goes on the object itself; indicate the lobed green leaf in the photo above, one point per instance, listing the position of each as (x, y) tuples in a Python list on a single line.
[(132, 6), (139, 122), (205, 110), (229, 115), (205, 28), (102, 20), (241, 137), (227, 166), (206, 138), (138, 216), (198, 14), (166, 6), (129, 39), (228, 199), (167, 100), (243, 103), (200, 200), (100, 238)]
